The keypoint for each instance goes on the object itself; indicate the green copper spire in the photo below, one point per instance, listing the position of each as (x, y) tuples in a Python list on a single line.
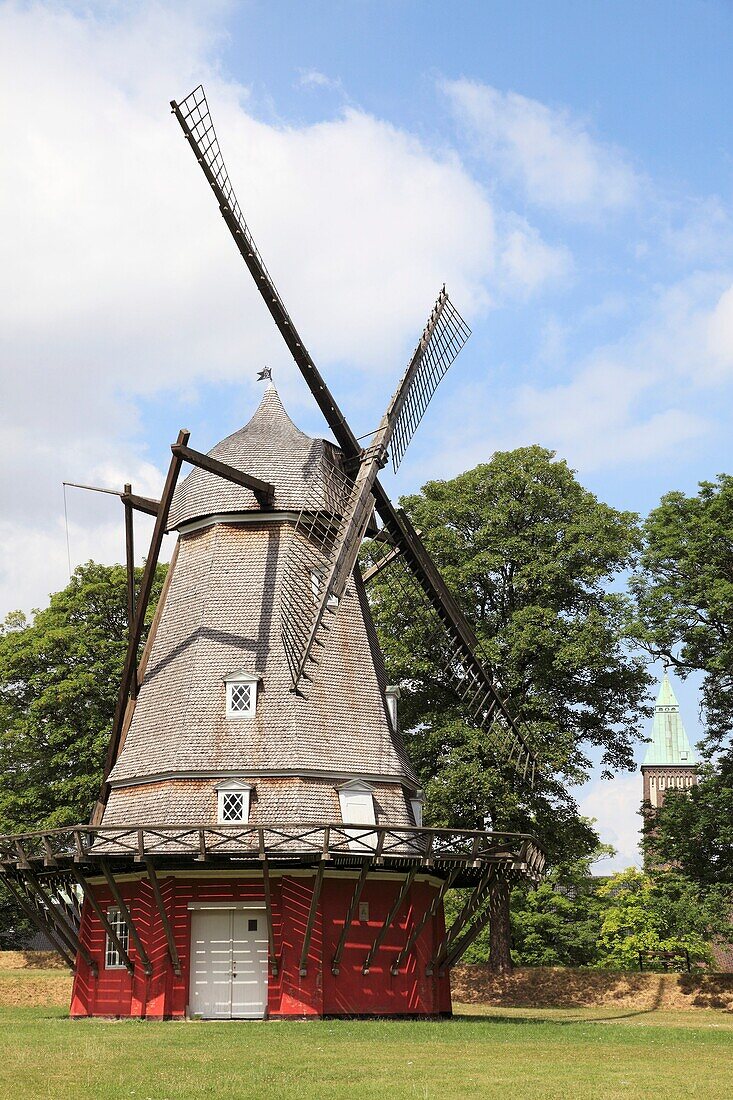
[(669, 744)]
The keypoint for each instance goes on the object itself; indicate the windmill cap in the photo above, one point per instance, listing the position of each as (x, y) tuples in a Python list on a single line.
[(269, 447)]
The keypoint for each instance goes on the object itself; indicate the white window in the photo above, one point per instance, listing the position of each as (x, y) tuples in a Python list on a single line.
[(392, 693), (416, 804), (112, 957), (316, 584), (233, 800), (357, 808), (241, 689)]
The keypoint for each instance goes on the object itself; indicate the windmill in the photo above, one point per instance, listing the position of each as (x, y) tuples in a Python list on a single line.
[(442, 339), (257, 847)]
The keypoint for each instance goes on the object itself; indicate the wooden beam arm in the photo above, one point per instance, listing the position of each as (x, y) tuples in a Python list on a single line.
[(358, 889), (263, 490), (126, 916), (129, 672), (311, 919), (388, 920), (170, 940), (427, 916), (45, 927), (140, 504), (104, 919)]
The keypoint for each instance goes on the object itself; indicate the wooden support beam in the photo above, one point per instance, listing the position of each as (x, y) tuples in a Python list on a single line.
[(104, 919), (146, 585), (263, 490), (427, 916), (126, 916), (474, 902), (49, 859), (68, 933), (373, 570), (461, 945), (268, 915), (45, 927), (388, 919), (348, 920), (155, 885), (311, 918), (140, 504)]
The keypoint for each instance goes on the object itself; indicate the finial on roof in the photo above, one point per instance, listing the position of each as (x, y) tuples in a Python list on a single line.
[(265, 374)]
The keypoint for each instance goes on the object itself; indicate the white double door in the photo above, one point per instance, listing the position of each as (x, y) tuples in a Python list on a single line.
[(228, 964)]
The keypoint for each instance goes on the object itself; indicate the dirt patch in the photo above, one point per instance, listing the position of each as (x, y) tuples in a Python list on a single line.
[(31, 960), (35, 989), (557, 987)]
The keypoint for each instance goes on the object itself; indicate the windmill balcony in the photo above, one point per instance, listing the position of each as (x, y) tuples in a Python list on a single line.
[(322, 918)]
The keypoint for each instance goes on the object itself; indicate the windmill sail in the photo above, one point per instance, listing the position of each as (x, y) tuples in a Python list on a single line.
[(431, 359), (474, 677), (443, 337)]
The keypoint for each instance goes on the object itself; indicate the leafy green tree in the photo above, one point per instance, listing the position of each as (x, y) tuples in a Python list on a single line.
[(559, 923), (531, 556), (59, 676), (659, 911), (684, 594), (693, 829)]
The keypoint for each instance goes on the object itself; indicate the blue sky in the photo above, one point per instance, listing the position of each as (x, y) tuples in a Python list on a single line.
[(566, 168)]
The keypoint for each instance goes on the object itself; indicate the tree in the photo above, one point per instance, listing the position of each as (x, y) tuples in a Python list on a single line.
[(693, 829), (530, 556), (559, 923), (59, 677), (684, 595), (659, 911)]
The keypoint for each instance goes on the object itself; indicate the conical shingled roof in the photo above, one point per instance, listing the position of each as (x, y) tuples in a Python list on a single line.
[(669, 744), (269, 447)]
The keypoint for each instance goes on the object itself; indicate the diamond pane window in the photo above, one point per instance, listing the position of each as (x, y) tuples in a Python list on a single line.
[(241, 691), (232, 806), (233, 800), (112, 957)]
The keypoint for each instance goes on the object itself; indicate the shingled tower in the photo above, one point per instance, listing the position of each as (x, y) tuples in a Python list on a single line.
[(216, 714), (257, 847)]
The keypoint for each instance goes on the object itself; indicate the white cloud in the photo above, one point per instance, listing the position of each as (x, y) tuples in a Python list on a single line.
[(527, 261), (312, 78), (615, 805), (124, 284), (599, 420), (549, 153)]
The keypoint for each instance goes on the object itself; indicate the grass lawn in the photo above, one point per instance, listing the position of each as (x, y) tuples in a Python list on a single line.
[(516, 1053)]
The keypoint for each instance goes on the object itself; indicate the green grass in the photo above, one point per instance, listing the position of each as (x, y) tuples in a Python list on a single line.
[(519, 1053), (602, 1052)]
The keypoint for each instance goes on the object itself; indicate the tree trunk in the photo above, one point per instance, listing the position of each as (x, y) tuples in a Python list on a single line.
[(500, 959)]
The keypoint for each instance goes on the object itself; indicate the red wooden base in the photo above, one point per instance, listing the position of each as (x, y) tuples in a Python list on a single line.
[(163, 995)]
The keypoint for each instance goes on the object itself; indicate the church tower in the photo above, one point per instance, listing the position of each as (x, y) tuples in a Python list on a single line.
[(670, 760)]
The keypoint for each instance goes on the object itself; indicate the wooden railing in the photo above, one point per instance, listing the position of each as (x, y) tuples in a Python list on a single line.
[(519, 852)]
